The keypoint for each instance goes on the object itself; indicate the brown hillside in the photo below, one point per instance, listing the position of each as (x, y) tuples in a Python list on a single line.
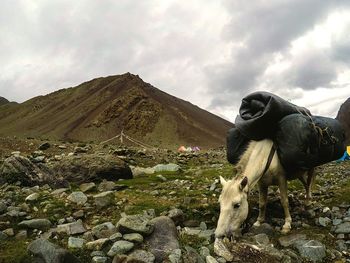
[(344, 117), (99, 109)]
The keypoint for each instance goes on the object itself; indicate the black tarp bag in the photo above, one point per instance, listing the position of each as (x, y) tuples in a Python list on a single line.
[(260, 113), (304, 142), (236, 144)]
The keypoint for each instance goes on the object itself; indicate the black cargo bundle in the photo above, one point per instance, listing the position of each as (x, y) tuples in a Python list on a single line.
[(303, 141), (260, 113), (236, 143)]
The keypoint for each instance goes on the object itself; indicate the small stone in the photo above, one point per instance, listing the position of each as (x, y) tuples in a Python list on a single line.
[(204, 252), (286, 241), (336, 221), (135, 224), (77, 197), (104, 230), (32, 197), (161, 177), (134, 237), (78, 214), (59, 191), (221, 250), (262, 239), (311, 249), (9, 232), (22, 234), (171, 167), (74, 242), (142, 256), (115, 237), (42, 224), (3, 236), (210, 259), (175, 256), (120, 247), (44, 146), (177, 215), (105, 186), (341, 245), (324, 221), (97, 244), (98, 259), (104, 199), (87, 187), (71, 228), (343, 228), (203, 226)]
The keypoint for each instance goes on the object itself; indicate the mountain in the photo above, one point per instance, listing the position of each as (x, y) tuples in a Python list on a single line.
[(101, 108), (344, 117), (3, 101)]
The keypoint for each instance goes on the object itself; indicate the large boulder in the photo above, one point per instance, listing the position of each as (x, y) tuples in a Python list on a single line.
[(19, 168), (47, 252), (92, 168), (164, 238)]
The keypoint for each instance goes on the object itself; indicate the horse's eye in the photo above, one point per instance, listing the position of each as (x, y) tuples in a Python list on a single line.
[(236, 206)]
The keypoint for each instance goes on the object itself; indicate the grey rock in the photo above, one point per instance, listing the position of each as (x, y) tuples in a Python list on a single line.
[(3, 236), (44, 146), (9, 232), (105, 186), (191, 256), (115, 237), (324, 221), (137, 171), (120, 247), (99, 259), (77, 197), (164, 238), (3, 207), (171, 167), (104, 199), (104, 230), (343, 228), (22, 234), (32, 197), (177, 215), (210, 259), (262, 239), (42, 224), (87, 187), (74, 242), (71, 228), (311, 249), (221, 250), (336, 221), (59, 191), (48, 252), (142, 255), (135, 224), (97, 244), (19, 168), (134, 237), (341, 245), (91, 168), (263, 229), (204, 252), (175, 256), (287, 241)]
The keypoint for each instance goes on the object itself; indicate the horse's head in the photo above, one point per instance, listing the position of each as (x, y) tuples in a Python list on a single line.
[(233, 207)]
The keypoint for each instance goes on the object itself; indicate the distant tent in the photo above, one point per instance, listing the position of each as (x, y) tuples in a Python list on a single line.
[(182, 149)]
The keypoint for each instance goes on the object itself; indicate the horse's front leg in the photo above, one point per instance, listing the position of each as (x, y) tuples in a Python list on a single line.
[(262, 204), (285, 204)]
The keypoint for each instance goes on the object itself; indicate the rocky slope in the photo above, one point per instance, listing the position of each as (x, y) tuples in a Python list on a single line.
[(101, 108), (344, 117), (3, 101), (167, 213)]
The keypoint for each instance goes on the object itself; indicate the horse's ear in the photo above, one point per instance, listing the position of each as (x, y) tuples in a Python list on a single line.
[(222, 181), (244, 183)]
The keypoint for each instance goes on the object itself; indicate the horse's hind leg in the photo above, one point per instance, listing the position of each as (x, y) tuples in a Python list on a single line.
[(285, 204), (307, 179), (262, 204)]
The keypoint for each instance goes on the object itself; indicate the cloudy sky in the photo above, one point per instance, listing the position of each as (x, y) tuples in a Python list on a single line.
[(209, 52)]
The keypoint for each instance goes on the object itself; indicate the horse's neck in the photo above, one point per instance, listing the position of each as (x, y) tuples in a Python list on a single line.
[(254, 161)]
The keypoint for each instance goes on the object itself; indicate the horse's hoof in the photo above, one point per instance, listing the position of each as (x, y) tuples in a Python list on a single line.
[(257, 224), (285, 230)]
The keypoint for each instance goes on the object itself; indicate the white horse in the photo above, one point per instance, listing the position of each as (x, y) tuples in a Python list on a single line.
[(258, 165)]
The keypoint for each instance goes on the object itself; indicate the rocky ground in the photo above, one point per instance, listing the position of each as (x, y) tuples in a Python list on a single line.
[(69, 202)]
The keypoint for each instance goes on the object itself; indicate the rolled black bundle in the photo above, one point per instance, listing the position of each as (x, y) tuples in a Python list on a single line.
[(236, 144), (260, 113), (304, 142)]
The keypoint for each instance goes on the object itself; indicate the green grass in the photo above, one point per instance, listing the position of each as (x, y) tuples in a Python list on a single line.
[(14, 251)]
